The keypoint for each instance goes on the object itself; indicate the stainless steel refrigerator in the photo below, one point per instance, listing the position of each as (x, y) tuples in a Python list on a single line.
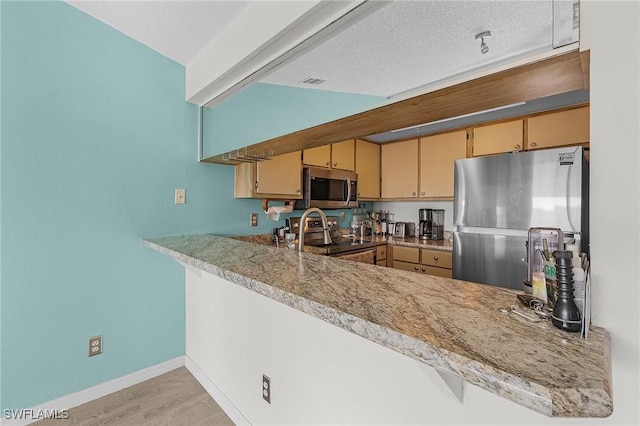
[(499, 197)]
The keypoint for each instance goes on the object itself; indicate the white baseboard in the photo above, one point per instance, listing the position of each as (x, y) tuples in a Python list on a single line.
[(98, 391), (227, 406)]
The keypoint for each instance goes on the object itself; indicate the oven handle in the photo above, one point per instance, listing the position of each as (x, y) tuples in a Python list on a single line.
[(346, 202)]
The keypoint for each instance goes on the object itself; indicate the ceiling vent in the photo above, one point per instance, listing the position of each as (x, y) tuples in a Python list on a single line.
[(312, 80)]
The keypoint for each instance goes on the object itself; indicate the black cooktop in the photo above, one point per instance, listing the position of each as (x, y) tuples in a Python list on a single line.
[(342, 245)]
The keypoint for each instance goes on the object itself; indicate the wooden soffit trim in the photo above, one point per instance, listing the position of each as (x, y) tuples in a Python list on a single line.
[(553, 76)]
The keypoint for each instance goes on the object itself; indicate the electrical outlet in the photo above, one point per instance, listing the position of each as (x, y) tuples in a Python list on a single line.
[(95, 345), (266, 388), (181, 196), (342, 216), (254, 219)]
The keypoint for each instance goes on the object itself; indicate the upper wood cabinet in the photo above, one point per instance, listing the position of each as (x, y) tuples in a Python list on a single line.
[(498, 138), (437, 156), (368, 169), (319, 156), (340, 155), (570, 127), (280, 177), (399, 169)]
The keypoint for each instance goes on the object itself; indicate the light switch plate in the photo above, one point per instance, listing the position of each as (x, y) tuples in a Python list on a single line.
[(181, 196), (254, 219)]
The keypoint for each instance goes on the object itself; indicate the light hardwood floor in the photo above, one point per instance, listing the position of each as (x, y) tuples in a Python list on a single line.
[(174, 398)]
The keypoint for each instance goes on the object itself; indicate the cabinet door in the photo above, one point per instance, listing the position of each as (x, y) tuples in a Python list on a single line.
[(439, 272), (319, 156), (399, 169), (343, 155), (406, 254), (406, 266), (498, 138), (281, 175), (368, 169), (561, 128), (441, 259), (437, 156)]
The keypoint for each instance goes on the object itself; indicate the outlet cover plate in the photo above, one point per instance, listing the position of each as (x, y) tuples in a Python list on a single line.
[(95, 345), (266, 388)]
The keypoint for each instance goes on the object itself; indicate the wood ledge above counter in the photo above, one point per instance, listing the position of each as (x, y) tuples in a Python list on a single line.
[(559, 74), (451, 325)]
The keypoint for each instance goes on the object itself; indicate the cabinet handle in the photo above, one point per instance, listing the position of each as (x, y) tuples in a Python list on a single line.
[(533, 144), (517, 146), (298, 191), (256, 184)]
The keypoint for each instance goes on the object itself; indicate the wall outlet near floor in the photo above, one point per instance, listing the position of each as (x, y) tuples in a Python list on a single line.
[(254, 219), (181, 196), (95, 345), (266, 388)]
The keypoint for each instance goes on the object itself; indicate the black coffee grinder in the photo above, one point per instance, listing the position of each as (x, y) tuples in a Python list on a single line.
[(426, 220)]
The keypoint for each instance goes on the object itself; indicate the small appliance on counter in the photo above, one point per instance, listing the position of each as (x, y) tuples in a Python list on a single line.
[(404, 230), (424, 227), (437, 224)]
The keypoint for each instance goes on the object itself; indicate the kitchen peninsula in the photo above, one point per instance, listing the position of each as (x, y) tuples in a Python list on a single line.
[(453, 326)]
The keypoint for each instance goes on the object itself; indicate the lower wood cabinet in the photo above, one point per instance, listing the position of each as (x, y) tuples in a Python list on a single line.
[(436, 262), (381, 255), (424, 261)]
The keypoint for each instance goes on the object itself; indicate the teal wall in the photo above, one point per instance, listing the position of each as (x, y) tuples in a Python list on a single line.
[(272, 111), (95, 136)]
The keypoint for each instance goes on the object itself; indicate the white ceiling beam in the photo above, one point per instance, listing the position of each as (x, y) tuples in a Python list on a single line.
[(262, 37)]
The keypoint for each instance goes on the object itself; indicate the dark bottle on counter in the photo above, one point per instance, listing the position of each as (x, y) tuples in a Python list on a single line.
[(566, 315)]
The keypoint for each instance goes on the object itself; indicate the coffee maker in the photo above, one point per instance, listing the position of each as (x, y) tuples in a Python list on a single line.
[(426, 223), (437, 224)]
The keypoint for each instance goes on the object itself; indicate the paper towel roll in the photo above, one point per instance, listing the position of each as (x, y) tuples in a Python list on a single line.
[(273, 213)]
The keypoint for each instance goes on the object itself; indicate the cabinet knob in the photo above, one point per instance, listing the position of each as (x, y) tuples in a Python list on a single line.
[(328, 163), (335, 164), (416, 268), (517, 146), (414, 194), (424, 270), (435, 257), (298, 191), (533, 144), (422, 192)]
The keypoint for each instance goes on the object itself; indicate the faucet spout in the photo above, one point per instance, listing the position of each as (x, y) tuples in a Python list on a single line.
[(303, 226)]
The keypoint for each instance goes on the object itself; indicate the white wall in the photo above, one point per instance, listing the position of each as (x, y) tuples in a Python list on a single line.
[(320, 373), (615, 192)]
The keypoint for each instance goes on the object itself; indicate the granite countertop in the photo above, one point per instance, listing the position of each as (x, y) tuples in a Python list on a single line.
[(453, 326)]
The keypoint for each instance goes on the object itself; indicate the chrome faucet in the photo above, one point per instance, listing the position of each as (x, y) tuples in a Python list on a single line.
[(303, 226)]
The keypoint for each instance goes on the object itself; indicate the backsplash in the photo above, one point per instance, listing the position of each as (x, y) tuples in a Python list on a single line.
[(407, 211)]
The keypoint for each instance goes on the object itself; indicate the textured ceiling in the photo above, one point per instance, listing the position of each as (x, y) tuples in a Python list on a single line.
[(408, 44), (403, 46), (176, 29)]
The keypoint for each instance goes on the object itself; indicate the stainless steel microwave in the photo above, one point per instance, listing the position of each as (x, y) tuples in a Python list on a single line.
[(328, 189)]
